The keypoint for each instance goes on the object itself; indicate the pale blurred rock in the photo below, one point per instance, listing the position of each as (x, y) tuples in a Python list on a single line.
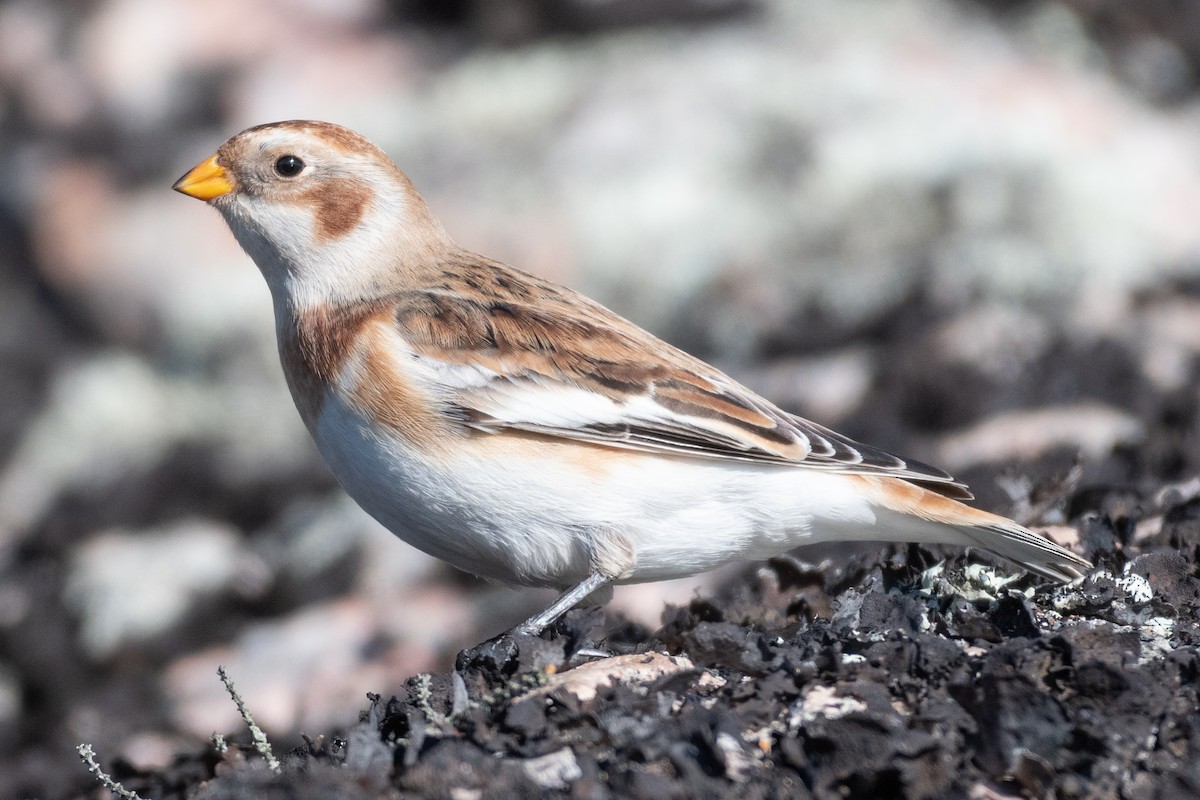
[(139, 54), (35, 68), (822, 702), (338, 74), (1089, 428), (106, 417), (311, 535), (1063, 535), (304, 670), (825, 388), (998, 340), (153, 749), (74, 209), (137, 82), (129, 586), (114, 416), (11, 702), (586, 680), (557, 770), (1168, 336), (323, 530), (280, 669), (145, 263)]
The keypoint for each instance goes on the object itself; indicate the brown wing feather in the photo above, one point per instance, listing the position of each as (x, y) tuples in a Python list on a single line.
[(527, 333)]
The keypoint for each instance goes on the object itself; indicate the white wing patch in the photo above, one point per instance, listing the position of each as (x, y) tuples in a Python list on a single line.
[(535, 403)]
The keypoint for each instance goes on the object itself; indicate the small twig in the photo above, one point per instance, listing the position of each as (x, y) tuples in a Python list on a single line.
[(88, 755), (260, 739), (219, 744)]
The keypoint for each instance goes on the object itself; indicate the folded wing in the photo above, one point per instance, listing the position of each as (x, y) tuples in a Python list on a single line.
[(569, 367)]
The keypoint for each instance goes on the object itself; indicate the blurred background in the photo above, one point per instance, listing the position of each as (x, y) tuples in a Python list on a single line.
[(965, 231)]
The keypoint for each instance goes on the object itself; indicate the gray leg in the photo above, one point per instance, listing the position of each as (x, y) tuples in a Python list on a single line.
[(566, 601)]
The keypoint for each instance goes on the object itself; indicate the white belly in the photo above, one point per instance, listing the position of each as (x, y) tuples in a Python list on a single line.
[(499, 510)]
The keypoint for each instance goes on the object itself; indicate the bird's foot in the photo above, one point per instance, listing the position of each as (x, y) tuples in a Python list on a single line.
[(570, 641)]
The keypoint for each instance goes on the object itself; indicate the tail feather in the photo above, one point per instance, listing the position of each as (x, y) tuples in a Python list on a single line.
[(1035, 553), (925, 516)]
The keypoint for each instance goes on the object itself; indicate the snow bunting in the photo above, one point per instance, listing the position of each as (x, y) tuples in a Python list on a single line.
[(523, 432)]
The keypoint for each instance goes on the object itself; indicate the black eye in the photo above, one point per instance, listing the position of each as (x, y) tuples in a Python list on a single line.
[(289, 166)]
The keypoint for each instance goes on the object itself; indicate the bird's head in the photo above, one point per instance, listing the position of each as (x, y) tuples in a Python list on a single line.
[(324, 213)]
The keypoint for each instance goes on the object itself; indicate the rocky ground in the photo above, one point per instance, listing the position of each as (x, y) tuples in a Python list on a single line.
[(907, 689), (965, 232)]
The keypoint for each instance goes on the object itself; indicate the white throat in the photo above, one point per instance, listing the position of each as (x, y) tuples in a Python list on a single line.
[(304, 272)]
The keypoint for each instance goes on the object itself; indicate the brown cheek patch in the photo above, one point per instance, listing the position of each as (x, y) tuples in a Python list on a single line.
[(337, 209)]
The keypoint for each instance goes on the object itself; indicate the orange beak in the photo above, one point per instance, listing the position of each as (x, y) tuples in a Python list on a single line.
[(206, 180)]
